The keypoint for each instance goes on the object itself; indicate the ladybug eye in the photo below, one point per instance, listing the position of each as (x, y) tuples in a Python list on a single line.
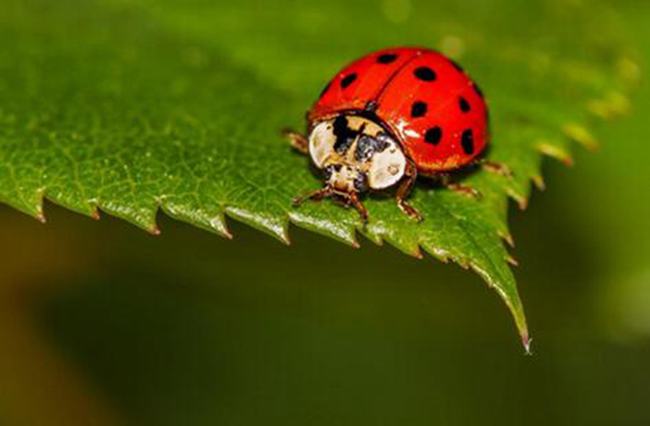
[(361, 182), (367, 147)]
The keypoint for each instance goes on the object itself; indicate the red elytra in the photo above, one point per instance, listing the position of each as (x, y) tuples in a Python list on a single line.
[(423, 98)]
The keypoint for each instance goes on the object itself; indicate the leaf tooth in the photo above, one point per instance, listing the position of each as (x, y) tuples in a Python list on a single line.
[(438, 253), (142, 217), (89, 208), (211, 220), (418, 254), (41, 217), (555, 151), (154, 230), (538, 180), (84, 206), (463, 262), (265, 223), (95, 214), (379, 238), (406, 245), (512, 261), (612, 105), (31, 205), (374, 233), (40, 214), (518, 190), (219, 225), (507, 237), (521, 200), (527, 341), (414, 251), (344, 232), (580, 134)]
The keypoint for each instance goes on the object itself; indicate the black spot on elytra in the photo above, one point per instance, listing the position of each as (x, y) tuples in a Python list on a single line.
[(478, 90), (463, 104), (348, 79), (418, 109), (344, 135), (386, 58), (425, 74), (467, 141), (433, 135)]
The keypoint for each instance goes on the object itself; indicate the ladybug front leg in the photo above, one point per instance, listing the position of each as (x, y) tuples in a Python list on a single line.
[(410, 175), (317, 195), (297, 140), (353, 199)]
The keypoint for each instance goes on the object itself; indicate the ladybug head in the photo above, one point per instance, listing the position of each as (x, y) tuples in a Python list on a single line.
[(356, 154)]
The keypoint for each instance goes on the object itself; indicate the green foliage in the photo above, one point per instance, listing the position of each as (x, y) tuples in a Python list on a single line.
[(178, 105)]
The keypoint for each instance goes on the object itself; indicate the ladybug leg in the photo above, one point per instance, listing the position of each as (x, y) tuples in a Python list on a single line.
[(494, 167), (317, 195), (465, 190), (410, 175), (297, 140), (353, 199)]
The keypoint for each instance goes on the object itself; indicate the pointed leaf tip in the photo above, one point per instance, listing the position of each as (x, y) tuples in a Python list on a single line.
[(203, 150)]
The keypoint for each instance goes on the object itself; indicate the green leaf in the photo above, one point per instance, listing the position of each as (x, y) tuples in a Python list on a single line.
[(129, 108)]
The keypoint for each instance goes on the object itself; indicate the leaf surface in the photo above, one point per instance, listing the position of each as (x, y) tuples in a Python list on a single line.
[(133, 107)]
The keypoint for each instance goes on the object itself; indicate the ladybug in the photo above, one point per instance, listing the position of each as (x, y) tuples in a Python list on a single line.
[(388, 117)]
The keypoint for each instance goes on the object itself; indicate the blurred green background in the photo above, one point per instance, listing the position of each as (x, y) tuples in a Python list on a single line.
[(101, 323)]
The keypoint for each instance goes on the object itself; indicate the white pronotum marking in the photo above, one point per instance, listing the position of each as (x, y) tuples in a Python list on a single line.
[(321, 143), (386, 167)]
